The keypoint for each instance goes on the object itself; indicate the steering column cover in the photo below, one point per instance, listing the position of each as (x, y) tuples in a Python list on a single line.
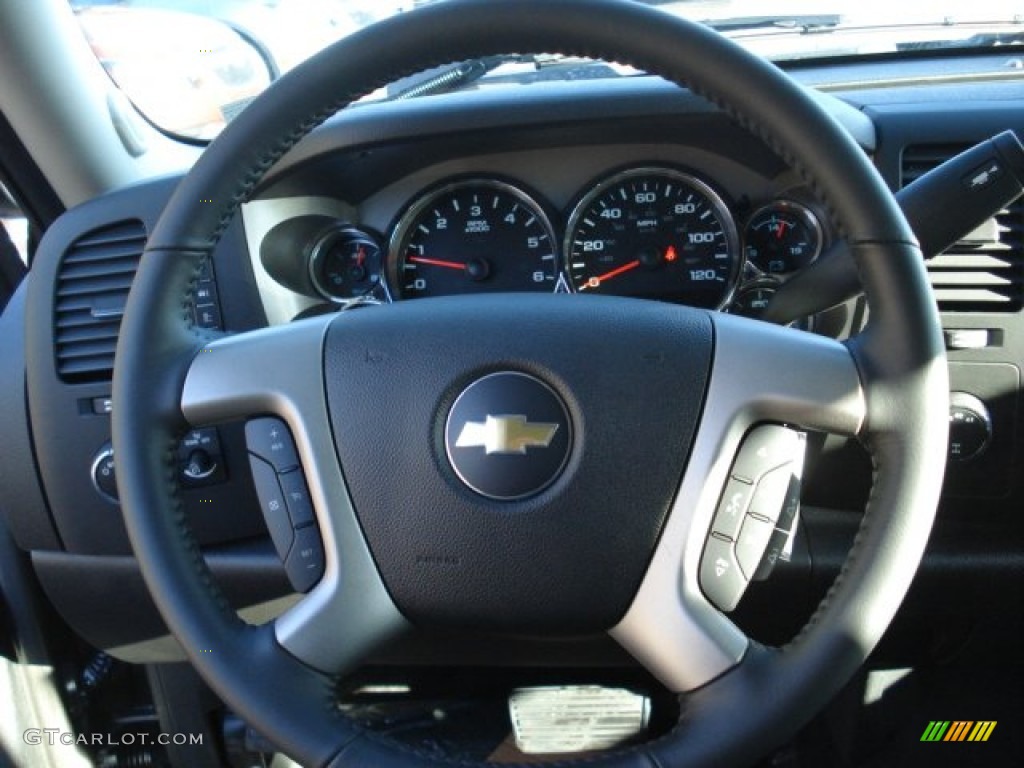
[(768, 695)]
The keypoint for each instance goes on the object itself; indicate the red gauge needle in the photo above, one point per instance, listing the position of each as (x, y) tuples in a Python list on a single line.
[(436, 262), (781, 230), (596, 281), (360, 256)]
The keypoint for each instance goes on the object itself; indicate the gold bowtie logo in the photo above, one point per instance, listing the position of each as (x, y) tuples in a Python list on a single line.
[(506, 434)]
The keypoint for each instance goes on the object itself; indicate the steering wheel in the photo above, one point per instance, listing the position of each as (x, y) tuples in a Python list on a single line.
[(647, 405)]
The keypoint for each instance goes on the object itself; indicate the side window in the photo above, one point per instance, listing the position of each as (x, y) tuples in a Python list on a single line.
[(14, 241), (14, 224)]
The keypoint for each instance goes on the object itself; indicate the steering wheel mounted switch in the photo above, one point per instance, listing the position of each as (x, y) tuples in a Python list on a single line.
[(284, 499), (756, 515)]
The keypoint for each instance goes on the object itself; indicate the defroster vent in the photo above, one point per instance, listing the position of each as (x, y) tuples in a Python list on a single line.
[(92, 287), (984, 272)]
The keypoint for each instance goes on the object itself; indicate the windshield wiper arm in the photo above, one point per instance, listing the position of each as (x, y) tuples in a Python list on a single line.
[(448, 78), (804, 24)]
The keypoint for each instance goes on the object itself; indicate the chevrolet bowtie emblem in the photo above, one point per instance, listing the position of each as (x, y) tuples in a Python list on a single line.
[(506, 434)]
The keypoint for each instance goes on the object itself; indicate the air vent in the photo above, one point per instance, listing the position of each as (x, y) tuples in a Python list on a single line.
[(984, 272), (92, 287)]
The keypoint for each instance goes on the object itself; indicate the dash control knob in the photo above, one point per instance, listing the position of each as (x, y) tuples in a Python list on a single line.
[(970, 427), (104, 479)]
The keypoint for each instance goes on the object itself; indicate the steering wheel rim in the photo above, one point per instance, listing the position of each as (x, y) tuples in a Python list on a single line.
[(899, 362)]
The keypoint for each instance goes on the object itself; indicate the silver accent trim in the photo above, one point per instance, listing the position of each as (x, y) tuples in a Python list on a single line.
[(549, 720), (280, 371), (760, 373)]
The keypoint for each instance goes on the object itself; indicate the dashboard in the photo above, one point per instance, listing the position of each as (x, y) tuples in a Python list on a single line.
[(647, 208), (631, 187)]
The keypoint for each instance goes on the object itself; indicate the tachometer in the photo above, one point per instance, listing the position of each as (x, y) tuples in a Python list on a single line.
[(472, 236), (655, 233)]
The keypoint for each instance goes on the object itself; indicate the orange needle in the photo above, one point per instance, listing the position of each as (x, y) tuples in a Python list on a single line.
[(596, 281), (436, 262)]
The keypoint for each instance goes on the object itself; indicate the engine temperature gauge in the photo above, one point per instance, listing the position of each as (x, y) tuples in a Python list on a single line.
[(782, 237)]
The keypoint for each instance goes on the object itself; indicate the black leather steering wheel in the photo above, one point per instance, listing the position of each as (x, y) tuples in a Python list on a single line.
[(707, 378)]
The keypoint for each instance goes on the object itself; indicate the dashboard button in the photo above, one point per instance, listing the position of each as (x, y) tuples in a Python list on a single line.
[(103, 477), (200, 465), (270, 439), (272, 503), (720, 576), (305, 562)]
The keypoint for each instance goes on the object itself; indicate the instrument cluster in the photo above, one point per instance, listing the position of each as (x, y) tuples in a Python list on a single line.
[(648, 231)]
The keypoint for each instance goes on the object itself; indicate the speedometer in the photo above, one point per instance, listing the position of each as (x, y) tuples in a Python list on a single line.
[(472, 236), (654, 233)]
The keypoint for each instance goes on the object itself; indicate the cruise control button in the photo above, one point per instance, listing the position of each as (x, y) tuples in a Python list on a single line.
[(273, 505), (752, 543), (305, 562), (720, 575), (732, 508), (764, 449), (296, 497), (270, 439)]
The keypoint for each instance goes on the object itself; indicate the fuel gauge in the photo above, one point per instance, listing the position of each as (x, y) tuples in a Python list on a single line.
[(782, 237)]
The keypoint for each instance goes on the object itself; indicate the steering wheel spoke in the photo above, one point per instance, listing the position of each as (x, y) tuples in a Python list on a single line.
[(279, 371), (761, 375)]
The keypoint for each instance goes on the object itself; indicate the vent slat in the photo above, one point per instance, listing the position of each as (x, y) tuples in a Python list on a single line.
[(86, 333), (949, 279), (1002, 259), (87, 349), (95, 277), (125, 249), (985, 271), (94, 285), (997, 301), (100, 268)]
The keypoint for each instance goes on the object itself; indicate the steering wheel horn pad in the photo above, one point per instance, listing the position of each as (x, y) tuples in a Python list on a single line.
[(887, 386), (566, 560)]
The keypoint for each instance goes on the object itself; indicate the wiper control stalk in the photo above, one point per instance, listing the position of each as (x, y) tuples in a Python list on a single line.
[(942, 206)]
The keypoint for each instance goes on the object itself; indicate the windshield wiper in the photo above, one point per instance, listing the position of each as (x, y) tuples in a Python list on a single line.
[(457, 76), (804, 24)]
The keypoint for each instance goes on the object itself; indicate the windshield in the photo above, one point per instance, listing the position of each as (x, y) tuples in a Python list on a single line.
[(190, 66)]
